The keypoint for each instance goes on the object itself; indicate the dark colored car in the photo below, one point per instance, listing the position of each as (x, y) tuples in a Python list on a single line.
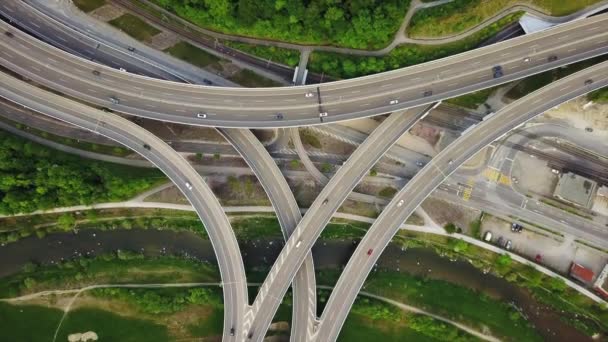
[(500, 242), (497, 71), (369, 251), (589, 82), (207, 82), (428, 93), (9, 34), (231, 331), (325, 201), (130, 48), (147, 147), (552, 58), (279, 116), (96, 73), (250, 335)]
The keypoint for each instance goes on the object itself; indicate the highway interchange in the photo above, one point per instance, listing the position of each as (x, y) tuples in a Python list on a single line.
[(180, 102)]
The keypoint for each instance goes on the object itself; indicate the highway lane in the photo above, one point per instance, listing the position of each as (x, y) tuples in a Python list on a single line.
[(432, 175), (320, 212), (289, 215), (172, 164), (348, 99), (94, 43)]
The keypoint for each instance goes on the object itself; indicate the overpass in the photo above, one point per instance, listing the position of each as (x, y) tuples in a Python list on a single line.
[(289, 106), (433, 174)]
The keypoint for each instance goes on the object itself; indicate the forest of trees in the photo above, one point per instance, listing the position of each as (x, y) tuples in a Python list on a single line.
[(362, 24), (34, 177)]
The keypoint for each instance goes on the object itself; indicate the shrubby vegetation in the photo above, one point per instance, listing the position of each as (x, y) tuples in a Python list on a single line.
[(161, 301), (362, 24), (348, 66), (459, 15), (34, 177)]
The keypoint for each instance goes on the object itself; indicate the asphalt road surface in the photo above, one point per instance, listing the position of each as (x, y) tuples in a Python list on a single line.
[(289, 106), (289, 215), (320, 212), (433, 174), (172, 164)]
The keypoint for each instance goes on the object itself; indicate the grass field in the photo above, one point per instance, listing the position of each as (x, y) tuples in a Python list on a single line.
[(459, 15), (276, 54), (36, 323), (472, 100), (134, 27), (193, 55), (88, 5), (248, 78)]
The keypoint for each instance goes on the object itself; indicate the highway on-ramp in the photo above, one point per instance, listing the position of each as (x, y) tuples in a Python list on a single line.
[(433, 174), (172, 164), (289, 215), (302, 105), (320, 212)]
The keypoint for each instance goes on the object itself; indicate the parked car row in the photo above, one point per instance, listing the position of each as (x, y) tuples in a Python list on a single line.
[(501, 242)]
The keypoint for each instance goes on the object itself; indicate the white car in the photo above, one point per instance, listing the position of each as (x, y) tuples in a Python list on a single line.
[(322, 114), (527, 59), (555, 171), (400, 203), (298, 244), (201, 115), (188, 185), (123, 69), (310, 94), (394, 102)]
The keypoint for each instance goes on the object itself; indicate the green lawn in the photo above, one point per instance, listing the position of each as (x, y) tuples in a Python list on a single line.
[(193, 55), (600, 95), (452, 301), (212, 325), (360, 328), (88, 5), (248, 78), (35, 323), (460, 15), (134, 27), (472, 100)]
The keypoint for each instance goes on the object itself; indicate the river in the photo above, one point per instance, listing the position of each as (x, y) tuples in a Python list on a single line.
[(330, 254)]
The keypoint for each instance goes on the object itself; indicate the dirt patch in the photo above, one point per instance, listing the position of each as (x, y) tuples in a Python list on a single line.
[(243, 190), (427, 132), (305, 191), (444, 212), (164, 40), (170, 131), (316, 141), (107, 12), (169, 195)]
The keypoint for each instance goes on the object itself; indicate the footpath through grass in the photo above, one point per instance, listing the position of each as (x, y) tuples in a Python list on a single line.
[(135, 27), (349, 66), (460, 15)]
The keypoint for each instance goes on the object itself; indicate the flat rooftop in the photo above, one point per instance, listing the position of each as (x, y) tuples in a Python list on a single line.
[(575, 189)]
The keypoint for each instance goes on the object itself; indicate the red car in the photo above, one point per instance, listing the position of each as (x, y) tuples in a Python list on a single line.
[(369, 251)]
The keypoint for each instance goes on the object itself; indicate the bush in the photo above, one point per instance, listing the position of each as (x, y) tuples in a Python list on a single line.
[(388, 192), (450, 228)]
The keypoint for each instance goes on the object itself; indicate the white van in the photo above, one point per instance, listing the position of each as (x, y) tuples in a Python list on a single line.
[(487, 237)]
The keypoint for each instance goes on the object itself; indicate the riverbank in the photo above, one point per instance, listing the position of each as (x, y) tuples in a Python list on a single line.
[(398, 267)]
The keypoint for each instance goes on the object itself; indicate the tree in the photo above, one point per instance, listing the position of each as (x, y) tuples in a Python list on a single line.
[(373, 172)]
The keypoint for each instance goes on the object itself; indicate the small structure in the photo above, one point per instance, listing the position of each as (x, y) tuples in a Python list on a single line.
[(581, 273), (575, 189), (600, 285)]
